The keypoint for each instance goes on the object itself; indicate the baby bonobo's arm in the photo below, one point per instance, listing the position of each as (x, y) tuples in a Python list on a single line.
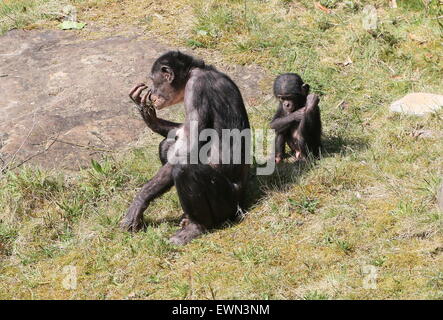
[(147, 111), (281, 124), (312, 101)]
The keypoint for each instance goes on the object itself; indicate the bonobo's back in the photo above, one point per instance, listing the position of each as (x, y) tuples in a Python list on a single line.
[(224, 101), (222, 107)]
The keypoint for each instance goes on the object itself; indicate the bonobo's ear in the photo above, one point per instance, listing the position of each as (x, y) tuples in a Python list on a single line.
[(305, 89), (167, 73)]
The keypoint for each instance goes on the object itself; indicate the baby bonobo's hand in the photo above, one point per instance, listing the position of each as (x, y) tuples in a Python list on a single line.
[(312, 101), (143, 102)]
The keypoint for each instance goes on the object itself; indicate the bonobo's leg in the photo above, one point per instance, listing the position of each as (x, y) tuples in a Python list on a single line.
[(307, 137), (163, 148), (207, 197), (297, 144), (159, 184), (280, 141)]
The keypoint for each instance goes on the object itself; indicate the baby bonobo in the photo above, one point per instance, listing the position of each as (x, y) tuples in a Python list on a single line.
[(297, 120)]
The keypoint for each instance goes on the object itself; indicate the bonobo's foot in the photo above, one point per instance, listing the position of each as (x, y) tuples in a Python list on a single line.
[(190, 230), (312, 101), (298, 156), (132, 221), (279, 157)]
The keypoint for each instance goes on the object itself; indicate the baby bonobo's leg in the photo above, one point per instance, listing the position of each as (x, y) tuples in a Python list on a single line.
[(280, 141), (307, 137)]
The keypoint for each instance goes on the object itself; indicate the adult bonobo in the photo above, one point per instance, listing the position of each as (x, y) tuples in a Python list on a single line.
[(210, 192), (297, 120)]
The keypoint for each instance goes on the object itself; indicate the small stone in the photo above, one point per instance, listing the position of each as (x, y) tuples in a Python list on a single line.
[(370, 18), (70, 13), (440, 198), (422, 133), (418, 103)]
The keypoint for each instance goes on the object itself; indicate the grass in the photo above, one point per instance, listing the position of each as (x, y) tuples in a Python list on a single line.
[(370, 200)]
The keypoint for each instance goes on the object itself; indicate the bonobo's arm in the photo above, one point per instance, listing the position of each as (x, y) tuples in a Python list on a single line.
[(160, 126), (281, 124), (148, 113)]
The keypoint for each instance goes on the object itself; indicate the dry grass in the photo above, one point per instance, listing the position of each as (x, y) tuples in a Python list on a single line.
[(370, 201)]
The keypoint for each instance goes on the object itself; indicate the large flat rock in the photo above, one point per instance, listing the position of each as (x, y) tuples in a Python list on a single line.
[(57, 85)]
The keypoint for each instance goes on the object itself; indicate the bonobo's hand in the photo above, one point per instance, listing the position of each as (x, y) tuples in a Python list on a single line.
[(132, 221), (312, 101), (143, 103), (136, 94)]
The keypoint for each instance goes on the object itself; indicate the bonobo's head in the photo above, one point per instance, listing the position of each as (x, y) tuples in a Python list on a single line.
[(169, 75), (291, 91)]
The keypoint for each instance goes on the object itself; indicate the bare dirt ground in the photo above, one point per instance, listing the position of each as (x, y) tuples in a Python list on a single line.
[(63, 98)]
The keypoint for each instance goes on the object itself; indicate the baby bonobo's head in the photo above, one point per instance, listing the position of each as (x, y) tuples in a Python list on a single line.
[(291, 91)]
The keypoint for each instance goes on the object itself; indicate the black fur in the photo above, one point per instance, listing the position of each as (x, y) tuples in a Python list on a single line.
[(212, 193)]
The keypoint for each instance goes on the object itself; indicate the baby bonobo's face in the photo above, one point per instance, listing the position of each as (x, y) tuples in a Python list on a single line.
[(292, 103), (290, 89)]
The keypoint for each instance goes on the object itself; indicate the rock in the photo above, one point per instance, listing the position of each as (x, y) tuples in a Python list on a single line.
[(370, 18), (424, 133), (440, 198), (418, 103), (74, 91)]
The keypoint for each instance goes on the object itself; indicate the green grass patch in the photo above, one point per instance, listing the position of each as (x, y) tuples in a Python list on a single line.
[(311, 230)]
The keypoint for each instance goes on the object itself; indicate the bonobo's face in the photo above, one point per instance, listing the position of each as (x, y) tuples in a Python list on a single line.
[(292, 103), (291, 91), (163, 94)]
